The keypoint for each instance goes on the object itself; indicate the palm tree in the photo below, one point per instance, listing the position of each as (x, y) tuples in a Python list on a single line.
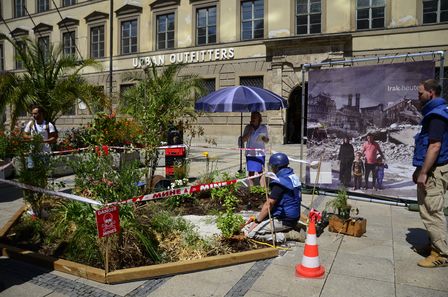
[(161, 99), (50, 79)]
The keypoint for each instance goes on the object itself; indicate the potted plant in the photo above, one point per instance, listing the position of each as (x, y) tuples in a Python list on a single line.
[(343, 221)]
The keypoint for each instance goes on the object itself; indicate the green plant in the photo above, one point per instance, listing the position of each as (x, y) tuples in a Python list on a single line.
[(228, 222), (51, 80), (162, 99), (340, 205), (257, 190)]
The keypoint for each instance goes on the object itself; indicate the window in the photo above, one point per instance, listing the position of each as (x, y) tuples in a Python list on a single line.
[(43, 5), (68, 2), (308, 14), (128, 37), (435, 11), (97, 42), (125, 87), (19, 62), (70, 111), (165, 31), (2, 58), (370, 14), (209, 85), (19, 10), (68, 41), (44, 45), (252, 19), (252, 81), (206, 25)]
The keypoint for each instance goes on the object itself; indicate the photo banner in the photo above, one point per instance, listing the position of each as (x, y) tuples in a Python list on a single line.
[(347, 104)]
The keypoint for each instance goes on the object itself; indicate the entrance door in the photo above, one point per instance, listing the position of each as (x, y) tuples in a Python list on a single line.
[(293, 115)]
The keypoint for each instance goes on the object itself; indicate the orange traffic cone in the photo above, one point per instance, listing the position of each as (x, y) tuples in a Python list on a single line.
[(310, 266)]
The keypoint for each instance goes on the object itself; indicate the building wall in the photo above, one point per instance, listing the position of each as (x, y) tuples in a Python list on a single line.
[(278, 56)]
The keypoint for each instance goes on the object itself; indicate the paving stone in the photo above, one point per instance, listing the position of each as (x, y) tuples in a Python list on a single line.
[(363, 266), (214, 282), (25, 289), (409, 273), (367, 247), (351, 286), (412, 291)]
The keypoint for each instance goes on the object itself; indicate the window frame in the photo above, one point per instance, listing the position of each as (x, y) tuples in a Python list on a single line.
[(125, 20), (46, 36), (15, 14), (156, 26), (18, 65), (196, 10), (74, 45), (240, 12), (72, 2), (308, 16), (90, 47), (438, 13), (370, 18), (2, 57), (38, 2), (251, 75)]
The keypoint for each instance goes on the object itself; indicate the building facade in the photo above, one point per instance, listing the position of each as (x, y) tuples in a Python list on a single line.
[(226, 42)]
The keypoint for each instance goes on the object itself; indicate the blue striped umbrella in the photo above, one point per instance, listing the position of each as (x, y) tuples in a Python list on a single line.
[(240, 99)]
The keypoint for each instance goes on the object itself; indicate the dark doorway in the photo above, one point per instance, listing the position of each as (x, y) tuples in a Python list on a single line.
[(293, 115)]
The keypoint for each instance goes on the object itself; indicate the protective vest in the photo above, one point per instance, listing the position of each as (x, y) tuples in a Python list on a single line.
[(288, 208), (436, 107)]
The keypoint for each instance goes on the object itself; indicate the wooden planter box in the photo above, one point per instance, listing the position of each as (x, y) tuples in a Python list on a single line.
[(130, 274), (352, 226)]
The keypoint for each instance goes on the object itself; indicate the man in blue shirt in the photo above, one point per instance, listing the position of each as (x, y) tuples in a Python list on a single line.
[(283, 203), (431, 173)]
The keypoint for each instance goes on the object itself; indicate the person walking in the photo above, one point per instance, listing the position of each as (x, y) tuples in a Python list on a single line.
[(371, 149), (256, 136), (346, 157), (431, 173), (283, 203)]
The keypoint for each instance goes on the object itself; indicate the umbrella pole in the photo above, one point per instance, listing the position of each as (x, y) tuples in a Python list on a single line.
[(241, 144)]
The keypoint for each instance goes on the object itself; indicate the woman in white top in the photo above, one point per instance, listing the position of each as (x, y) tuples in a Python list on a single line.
[(256, 135)]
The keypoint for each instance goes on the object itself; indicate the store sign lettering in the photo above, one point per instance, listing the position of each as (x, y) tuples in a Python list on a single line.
[(186, 57)]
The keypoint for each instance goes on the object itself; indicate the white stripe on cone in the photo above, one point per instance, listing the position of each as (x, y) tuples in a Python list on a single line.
[(310, 262), (311, 239)]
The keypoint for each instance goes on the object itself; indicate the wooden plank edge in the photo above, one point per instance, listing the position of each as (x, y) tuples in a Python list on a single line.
[(48, 262), (145, 272), (5, 228)]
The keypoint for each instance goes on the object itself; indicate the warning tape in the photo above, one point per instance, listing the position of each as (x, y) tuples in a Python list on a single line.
[(5, 166), (182, 191), (148, 197), (53, 193)]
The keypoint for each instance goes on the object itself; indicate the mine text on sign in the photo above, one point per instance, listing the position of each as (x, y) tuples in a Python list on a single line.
[(107, 221)]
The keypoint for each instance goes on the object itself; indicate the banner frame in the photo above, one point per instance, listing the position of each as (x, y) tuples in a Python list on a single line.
[(308, 66)]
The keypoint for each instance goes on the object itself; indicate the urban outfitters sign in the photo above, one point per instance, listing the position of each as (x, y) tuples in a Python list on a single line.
[(186, 57)]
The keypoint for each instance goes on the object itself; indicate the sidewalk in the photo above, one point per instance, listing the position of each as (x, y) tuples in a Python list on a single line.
[(381, 263)]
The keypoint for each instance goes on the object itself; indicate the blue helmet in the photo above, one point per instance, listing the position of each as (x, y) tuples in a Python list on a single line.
[(278, 160)]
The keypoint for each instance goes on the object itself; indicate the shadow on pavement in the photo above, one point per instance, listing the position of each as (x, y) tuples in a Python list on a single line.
[(9, 193), (13, 272), (418, 238)]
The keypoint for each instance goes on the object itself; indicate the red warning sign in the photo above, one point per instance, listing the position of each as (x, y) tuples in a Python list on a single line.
[(107, 221)]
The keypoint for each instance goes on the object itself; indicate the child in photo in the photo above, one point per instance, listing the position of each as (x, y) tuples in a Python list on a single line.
[(357, 170), (380, 166)]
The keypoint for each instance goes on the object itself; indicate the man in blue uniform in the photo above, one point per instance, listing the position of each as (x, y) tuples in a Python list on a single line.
[(283, 203), (431, 173)]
